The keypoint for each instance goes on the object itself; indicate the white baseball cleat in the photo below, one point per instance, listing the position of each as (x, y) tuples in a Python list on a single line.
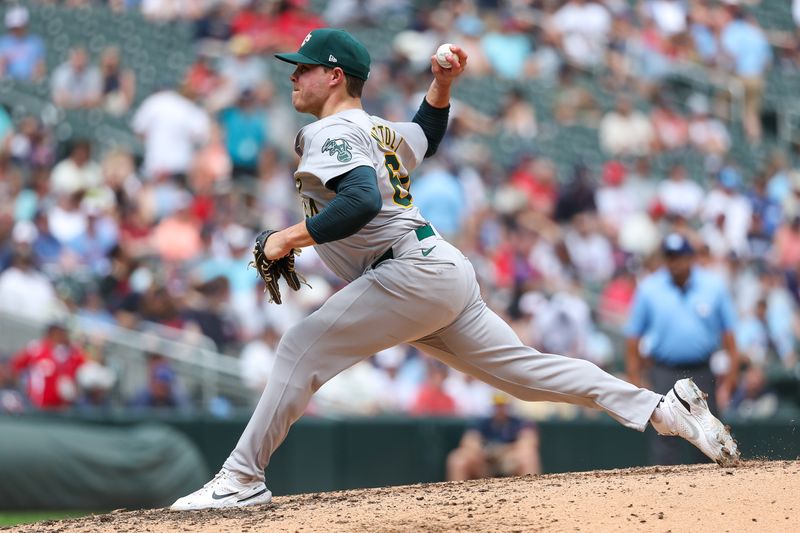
[(224, 491), (685, 413)]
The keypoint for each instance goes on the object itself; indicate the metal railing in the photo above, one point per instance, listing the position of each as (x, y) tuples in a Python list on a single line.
[(701, 78), (202, 372)]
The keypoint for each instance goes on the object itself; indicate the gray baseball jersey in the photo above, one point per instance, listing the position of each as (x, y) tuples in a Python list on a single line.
[(426, 295), (339, 143)]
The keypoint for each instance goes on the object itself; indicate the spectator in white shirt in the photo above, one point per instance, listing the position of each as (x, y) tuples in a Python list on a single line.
[(796, 12), (354, 392), (395, 391), (713, 235), (172, 126), (725, 200), (167, 10), (669, 15), (24, 291), (256, 360), (473, 397), (584, 27), (626, 131), (76, 83), (76, 172), (616, 201), (679, 195), (589, 250), (66, 220), (563, 325)]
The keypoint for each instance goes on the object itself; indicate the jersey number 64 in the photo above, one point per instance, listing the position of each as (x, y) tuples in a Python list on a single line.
[(401, 183)]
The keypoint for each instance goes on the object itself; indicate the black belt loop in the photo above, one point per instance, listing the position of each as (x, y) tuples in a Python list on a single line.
[(423, 232), (388, 254)]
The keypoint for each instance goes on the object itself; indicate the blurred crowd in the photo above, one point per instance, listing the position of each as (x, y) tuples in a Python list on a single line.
[(164, 237)]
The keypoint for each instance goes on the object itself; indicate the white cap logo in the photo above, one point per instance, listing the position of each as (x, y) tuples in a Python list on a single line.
[(308, 38), (332, 59)]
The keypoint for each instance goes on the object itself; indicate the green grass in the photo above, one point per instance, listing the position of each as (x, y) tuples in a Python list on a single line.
[(13, 518)]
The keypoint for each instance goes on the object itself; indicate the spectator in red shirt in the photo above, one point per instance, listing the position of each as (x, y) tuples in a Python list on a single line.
[(50, 365), (537, 179), (616, 298), (203, 77), (294, 21), (253, 18), (275, 25), (431, 398)]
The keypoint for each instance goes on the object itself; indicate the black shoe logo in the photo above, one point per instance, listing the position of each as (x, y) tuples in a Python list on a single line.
[(683, 402), (254, 495), (220, 496)]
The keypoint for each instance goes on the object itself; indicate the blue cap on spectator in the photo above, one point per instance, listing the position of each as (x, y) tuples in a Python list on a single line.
[(164, 374), (730, 178), (676, 244)]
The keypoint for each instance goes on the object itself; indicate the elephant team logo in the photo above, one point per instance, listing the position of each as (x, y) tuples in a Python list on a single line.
[(339, 148)]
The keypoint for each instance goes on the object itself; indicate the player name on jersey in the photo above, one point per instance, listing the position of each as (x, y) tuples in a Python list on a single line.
[(386, 137)]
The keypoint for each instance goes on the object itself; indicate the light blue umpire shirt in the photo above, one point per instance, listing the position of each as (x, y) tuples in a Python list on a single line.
[(681, 326)]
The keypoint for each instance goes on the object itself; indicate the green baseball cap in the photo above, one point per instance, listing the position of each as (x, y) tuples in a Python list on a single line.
[(332, 48)]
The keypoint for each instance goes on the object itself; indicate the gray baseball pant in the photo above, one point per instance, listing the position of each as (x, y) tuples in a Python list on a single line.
[(432, 302)]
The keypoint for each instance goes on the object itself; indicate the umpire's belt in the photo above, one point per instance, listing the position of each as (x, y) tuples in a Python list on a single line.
[(422, 233), (695, 365)]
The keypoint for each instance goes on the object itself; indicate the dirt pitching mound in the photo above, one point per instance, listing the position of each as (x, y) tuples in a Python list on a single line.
[(757, 496)]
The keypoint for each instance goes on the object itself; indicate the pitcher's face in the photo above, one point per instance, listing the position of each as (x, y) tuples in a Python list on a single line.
[(310, 88)]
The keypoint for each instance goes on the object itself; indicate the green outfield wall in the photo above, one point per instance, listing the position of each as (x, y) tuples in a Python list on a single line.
[(321, 455)]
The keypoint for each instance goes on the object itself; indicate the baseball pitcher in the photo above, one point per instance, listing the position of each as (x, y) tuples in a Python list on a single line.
[(406, 283)]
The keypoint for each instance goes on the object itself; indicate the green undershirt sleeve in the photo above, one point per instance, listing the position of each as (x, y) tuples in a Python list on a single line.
[(433, 121), (357, 201)]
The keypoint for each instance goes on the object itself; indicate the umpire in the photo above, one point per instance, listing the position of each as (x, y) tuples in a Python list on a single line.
[(684, 313)]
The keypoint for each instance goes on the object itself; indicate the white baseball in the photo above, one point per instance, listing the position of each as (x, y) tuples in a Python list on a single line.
[(441, 55)]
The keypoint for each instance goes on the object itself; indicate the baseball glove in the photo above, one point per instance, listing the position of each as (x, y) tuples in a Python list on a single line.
[(271, 270)]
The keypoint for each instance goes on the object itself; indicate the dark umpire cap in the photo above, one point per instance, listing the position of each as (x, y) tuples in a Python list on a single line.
[(676, 244), (331, 48)]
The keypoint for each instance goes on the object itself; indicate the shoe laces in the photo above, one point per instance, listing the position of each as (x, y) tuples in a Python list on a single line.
[(222, 474)]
